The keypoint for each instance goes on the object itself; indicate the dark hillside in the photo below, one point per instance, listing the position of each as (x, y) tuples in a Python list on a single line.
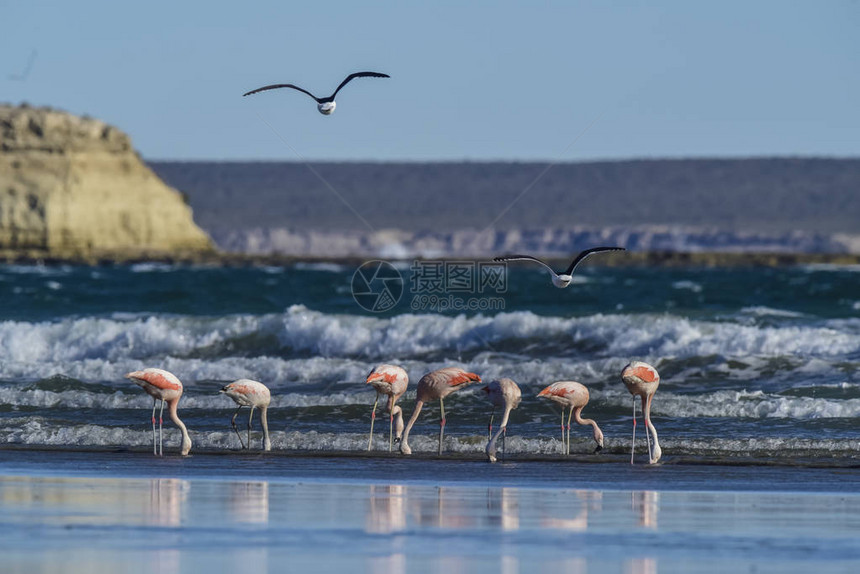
[(765, 195)]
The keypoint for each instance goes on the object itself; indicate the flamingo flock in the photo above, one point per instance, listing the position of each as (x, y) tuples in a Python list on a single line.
[(640, 379), (392, 381)]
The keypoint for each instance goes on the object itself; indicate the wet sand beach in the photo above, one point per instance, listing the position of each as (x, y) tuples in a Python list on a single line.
[(108, 512)]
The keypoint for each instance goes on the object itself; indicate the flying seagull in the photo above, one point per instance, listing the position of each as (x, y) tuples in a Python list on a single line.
[(560, 280), (324, 105)]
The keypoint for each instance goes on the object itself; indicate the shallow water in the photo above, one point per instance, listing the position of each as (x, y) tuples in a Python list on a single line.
[(755, 363), (132, 512)]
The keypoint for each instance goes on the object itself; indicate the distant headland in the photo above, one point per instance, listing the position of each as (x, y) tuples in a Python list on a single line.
[(73, 188)]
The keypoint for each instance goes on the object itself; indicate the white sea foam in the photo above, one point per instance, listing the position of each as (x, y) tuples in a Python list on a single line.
[(330, 267), (136, 399), (152, 267), (737, 405), (690, 285), (830, 267), (734, 404), (38, 432), (46, 270), (763, 311), (133, 341)]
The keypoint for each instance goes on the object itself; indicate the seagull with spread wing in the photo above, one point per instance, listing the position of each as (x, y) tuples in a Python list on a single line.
[(560, 280), (324, 105)]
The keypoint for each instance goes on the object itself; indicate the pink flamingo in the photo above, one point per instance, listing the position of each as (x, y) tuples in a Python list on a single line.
[(642, 379), (437, 385), (503, 393), (248, 393), (388, 380), (164, 386), (574, 396)]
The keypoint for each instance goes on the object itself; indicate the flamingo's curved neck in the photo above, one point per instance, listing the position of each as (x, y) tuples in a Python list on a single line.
[(397, 413), (491, 446), (583, 421), (646, 408), (505, 417), (418, 406), (186, 440), (591, 422)]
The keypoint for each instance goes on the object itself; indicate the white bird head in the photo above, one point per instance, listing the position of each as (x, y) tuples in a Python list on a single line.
[(326, 108), (598, 438), (561, 281)]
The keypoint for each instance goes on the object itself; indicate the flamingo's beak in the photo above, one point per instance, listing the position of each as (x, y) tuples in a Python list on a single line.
[(598, 449)]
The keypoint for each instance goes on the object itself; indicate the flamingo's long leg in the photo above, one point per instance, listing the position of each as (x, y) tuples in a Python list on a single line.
[(441, 425), (154, 447), (562, 431), (161, 430), (250, 418), (235, 428), (490, 426), (372, 420), (569, 414), (633, 446)]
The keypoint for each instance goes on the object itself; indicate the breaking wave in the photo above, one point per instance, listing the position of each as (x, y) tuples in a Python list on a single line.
[(303, 332)]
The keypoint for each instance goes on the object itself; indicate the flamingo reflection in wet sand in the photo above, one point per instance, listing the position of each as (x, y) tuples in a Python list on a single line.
[(162, 386), (504, 393), (642, 380), (389, 380), (572, 395), (248, 393), (437, 385)]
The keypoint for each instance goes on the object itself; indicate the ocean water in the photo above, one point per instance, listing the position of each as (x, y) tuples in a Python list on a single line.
[(757, 364)]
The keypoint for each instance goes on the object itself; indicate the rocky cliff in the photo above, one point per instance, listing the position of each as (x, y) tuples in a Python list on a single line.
[(74, 188)]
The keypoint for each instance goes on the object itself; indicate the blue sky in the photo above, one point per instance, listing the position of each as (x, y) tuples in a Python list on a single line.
[(567, 81)]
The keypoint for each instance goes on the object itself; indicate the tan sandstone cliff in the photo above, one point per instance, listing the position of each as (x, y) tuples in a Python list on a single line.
[(74, 188)]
